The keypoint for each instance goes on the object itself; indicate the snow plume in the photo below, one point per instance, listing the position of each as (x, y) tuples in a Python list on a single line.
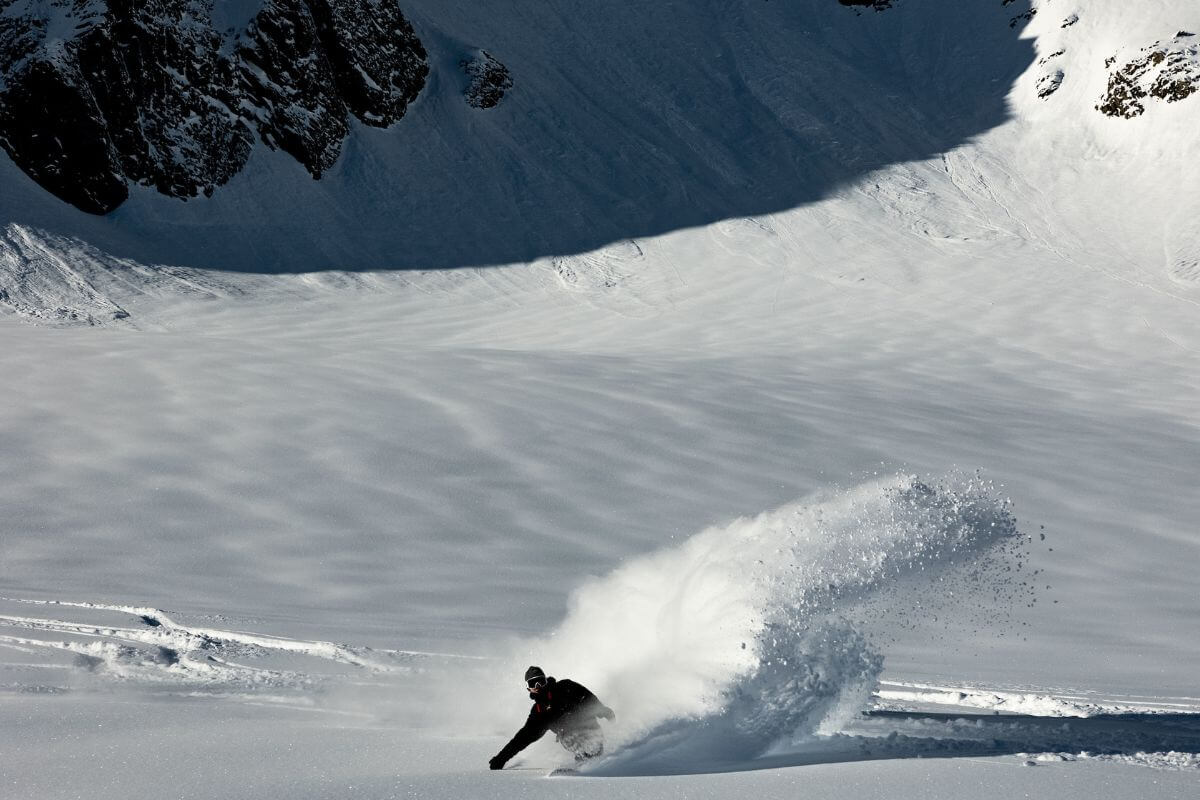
[(749, 638)]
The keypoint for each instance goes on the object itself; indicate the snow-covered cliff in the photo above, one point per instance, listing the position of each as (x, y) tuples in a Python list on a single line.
[(297, 135)]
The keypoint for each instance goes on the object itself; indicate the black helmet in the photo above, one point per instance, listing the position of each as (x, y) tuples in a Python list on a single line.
[(534, 676)]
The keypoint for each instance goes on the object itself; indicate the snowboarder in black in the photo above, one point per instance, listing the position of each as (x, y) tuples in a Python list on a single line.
[(565, 707)]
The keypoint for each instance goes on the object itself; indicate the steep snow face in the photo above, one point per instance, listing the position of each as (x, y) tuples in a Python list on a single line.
[(614, 123), (1110, 156), (51, 284)]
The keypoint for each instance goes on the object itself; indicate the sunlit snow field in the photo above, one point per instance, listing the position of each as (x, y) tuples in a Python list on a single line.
[(926, 447)]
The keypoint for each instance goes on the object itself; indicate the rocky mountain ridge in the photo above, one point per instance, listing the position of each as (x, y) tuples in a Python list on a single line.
[(175, 94), (1166, 70), (95, 94), (620, 127)]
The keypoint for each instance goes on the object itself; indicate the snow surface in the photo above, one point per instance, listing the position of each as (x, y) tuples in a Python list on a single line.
[(920, 439)]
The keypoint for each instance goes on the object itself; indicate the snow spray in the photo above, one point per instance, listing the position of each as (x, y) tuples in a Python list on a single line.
[(746, 639)]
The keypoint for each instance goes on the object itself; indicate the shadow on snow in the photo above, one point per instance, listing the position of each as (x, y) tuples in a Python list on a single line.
[(884, 735), (624, 122)]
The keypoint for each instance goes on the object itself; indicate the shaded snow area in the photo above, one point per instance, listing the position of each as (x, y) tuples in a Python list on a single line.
[(815, 382)]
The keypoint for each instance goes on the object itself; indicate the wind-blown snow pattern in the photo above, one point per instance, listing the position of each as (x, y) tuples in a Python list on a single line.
[(748, 637), (299, 535)]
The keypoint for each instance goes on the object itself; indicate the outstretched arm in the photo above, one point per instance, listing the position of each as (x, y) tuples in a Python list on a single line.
[(592, 703), (530, 732)]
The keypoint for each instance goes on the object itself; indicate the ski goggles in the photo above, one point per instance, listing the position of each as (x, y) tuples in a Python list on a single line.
[(535, 683)]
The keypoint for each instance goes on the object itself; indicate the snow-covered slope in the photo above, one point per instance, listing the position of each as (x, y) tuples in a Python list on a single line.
[(627, 125), (619, 124), (895, 413)]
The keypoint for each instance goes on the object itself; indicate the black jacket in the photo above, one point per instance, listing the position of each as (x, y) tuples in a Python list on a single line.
[(559, 706)]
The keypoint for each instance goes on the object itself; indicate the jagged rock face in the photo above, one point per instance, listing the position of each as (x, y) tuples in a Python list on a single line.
[(288, 80), (1168, 71), (305, 65), (51, 127), (49, 121), (1050, 81), (96, 93), (378, 62), (488, 80), (156, 73)]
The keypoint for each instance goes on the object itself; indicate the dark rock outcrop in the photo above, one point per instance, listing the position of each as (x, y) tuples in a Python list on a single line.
[(1050, 83), (1168, 71), (305, 65), (377, 60), (51, 127), (97, 93), (878, 5), (1051, 78), (1022, 18), (156, 75), (288, 83), (488, 80)]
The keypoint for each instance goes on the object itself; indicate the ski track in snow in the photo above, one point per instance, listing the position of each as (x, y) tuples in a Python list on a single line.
[(153, 649), (901, 695), (152, 652), (975, 305)]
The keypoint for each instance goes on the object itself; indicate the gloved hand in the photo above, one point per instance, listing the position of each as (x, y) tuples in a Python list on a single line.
[(496, 763)]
